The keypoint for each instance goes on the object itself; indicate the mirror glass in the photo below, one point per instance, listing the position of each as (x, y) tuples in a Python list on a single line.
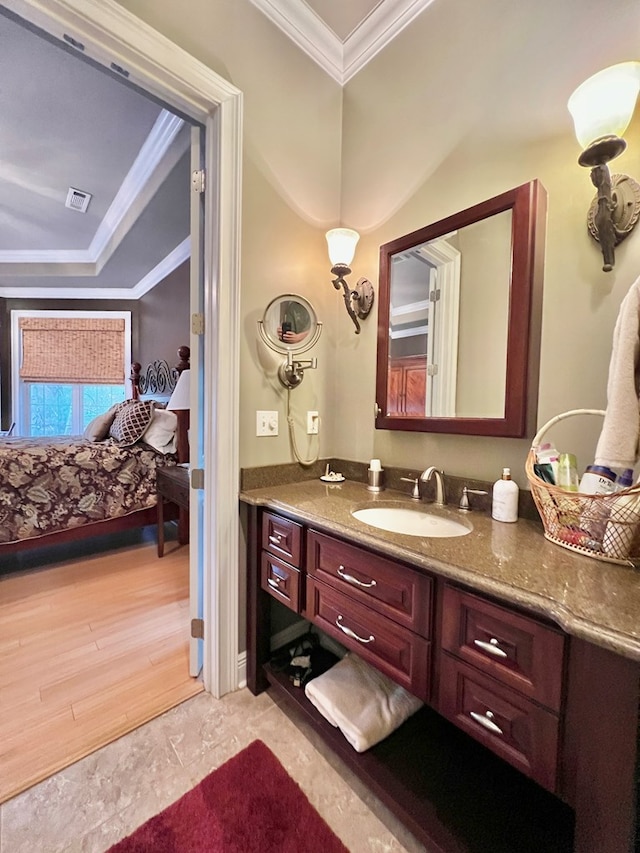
[(290, 324), (459, 330)]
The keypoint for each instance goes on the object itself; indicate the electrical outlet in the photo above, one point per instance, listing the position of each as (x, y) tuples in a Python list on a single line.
[(266, 423), (313, 423)]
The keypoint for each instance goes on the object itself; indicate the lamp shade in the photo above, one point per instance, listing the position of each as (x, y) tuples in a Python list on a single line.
[(604, 103), (180, 399), (342, 245)]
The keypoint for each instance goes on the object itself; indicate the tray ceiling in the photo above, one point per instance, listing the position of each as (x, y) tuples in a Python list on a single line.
[(68, 124)]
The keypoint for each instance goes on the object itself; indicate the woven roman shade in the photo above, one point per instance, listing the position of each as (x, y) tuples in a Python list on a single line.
[(72, 350)]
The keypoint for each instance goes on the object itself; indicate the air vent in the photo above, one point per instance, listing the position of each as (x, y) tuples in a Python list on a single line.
[(77, 200)]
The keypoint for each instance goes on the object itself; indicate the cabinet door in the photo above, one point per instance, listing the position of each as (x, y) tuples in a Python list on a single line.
[(282, 537), (395, 391), (515, 649), (395, 591), (519, 731), (394, 650), (415, 386)]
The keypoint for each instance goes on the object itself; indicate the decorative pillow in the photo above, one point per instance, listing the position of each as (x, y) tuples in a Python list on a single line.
[(98, 428), (131, 420), (161, 432)]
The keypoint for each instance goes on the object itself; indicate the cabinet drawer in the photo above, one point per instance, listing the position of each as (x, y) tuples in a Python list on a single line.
[(281, 581), (394, 591), (517, 730), (173, 486), (517, 650), (282, 538), (394, 650)]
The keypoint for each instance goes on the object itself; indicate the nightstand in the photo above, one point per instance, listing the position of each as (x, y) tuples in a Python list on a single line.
[(172, 484)]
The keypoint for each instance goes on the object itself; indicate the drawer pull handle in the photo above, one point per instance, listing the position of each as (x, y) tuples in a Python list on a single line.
[(275, 539), (351, 633), (492, 647), (355, 581), (274, 583), (486, 720)]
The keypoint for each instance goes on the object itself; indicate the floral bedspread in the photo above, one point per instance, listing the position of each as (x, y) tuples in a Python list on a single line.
[(52, 484)]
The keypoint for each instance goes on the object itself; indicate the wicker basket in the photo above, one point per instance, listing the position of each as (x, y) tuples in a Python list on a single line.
[(604, 527)]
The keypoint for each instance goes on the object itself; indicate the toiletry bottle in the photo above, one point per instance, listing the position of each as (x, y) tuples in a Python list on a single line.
[(625, 480), (568, 472), (596, 480), (504, 506)]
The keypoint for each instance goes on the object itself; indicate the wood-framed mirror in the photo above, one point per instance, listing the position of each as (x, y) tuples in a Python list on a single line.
[(459, 320)]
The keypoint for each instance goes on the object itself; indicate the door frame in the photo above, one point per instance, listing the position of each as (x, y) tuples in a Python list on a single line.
[(111, 34)]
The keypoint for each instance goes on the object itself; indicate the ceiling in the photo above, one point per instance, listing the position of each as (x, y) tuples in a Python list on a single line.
[(341, 35), (76, 126), (78, 129)]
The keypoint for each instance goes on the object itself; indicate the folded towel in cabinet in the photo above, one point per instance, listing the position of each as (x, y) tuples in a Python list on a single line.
[(363, 703), (618, 443)]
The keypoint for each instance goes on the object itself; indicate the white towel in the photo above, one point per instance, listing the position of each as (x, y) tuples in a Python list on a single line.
[(618, 443), (363, 703)]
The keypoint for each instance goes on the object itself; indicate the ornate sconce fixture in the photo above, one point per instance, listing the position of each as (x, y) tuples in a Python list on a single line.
[(602, 108), (342, 247)]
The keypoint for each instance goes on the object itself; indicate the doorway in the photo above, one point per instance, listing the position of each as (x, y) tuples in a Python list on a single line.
[(115, 38)]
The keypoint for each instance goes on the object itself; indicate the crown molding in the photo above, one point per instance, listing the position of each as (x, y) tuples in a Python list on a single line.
[(128, 204), (308, 32), (167, 265), (341, 60)]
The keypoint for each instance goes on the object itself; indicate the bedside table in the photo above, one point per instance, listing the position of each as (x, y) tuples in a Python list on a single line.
[(172, 484)]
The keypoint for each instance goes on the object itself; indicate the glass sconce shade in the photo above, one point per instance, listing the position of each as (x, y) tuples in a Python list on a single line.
[(342, 245), (604, 103)]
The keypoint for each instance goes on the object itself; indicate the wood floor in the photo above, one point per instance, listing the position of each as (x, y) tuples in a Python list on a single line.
[(90, 649)]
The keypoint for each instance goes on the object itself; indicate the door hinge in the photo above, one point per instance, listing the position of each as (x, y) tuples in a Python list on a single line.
[(197, 324), (198, 181), (434, 296), (197, 478), (197, 629), (432, 370)]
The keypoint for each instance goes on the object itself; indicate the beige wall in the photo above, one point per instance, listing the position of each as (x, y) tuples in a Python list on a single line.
[(416, 135), (291, 195), (424, 137)]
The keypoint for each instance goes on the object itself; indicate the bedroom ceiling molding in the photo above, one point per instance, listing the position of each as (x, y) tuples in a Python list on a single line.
[(155, 160), (341, 59)]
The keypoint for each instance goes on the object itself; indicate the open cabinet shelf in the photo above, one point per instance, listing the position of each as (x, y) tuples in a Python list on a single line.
[(449, 791)]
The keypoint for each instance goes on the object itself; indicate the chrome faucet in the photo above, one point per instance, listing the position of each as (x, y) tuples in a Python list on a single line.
[(426, 475)]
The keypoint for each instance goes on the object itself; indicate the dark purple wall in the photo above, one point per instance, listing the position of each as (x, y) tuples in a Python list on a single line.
[(164, 318)]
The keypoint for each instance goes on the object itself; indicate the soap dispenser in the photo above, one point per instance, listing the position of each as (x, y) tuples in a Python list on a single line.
[(504, 505)]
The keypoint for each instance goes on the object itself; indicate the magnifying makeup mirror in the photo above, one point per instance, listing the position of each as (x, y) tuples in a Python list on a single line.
[(290, 326)]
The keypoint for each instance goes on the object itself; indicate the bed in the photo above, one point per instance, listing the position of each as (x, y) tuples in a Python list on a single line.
[(63, 488)]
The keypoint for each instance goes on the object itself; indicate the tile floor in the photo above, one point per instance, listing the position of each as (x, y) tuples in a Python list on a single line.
[(95, 802)]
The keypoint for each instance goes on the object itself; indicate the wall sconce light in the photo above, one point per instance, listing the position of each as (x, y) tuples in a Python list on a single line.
[(342, 247), (602, 108)]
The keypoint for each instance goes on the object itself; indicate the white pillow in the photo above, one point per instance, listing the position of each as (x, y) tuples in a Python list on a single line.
[(161, 432)]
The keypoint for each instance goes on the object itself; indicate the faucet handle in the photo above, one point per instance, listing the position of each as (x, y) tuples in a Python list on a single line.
[(415, 494), (465, 506)]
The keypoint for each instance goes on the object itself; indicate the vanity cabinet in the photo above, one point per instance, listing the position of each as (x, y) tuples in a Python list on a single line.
[(527, 742), (373, 606), (501, 676), (280, 560)]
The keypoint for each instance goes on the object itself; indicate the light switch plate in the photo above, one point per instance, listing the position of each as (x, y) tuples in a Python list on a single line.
[(266, 423)]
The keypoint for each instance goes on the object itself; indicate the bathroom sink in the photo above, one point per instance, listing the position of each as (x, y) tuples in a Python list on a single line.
[(411, 522)]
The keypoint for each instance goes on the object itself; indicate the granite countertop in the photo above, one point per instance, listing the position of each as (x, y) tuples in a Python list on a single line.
[(591, 599)]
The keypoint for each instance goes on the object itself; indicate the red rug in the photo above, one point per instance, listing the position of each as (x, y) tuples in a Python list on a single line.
[(248, 805)]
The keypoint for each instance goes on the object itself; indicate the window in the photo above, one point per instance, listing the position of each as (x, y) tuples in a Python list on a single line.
[(68, 367)]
